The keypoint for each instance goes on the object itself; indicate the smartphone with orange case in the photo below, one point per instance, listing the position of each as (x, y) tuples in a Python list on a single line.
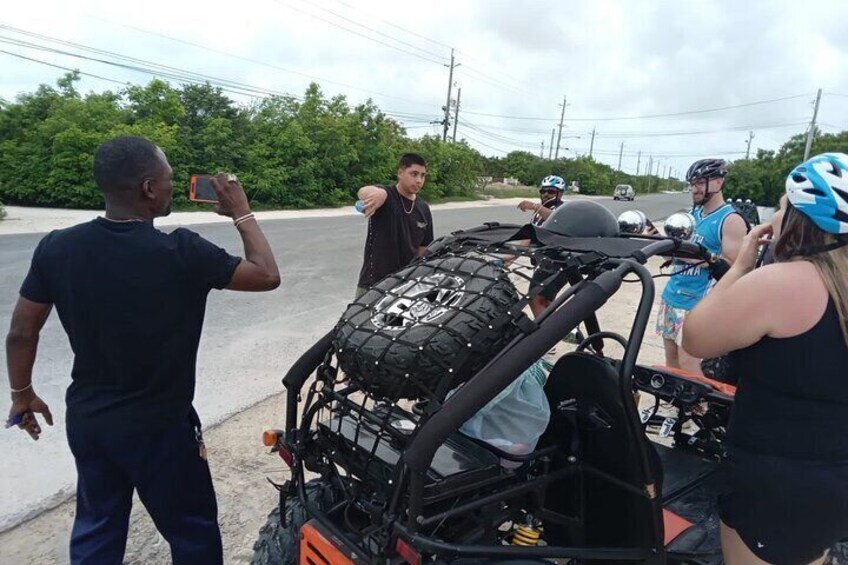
[(201, 190)]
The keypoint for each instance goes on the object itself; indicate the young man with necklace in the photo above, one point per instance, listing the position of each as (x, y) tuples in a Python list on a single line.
[(400, 225)]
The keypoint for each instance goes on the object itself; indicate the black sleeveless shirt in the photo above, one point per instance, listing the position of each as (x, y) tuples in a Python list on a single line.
[(792, 399)]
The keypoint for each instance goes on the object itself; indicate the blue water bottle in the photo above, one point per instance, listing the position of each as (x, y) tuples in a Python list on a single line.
[(360, 206)]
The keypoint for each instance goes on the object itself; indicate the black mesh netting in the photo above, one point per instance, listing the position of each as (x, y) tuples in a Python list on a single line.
[(426, 327), (429, 327)]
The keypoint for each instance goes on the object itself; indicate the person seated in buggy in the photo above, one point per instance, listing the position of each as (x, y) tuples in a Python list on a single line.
[(449, 334)]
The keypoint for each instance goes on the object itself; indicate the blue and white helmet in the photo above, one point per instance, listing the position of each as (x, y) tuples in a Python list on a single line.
[(553, 181), (818, 187)]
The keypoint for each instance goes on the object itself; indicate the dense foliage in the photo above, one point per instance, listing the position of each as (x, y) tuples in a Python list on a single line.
[(592, 176), (763, 178), (292, 153), (289, 152)]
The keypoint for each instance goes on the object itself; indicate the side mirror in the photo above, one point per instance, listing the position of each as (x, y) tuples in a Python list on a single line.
[(632, 221), (680, 225)]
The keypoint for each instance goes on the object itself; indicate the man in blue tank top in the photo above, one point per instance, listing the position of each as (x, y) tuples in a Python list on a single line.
[(719, 228)]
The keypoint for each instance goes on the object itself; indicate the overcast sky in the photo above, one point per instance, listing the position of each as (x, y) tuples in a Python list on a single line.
[(611, 59)]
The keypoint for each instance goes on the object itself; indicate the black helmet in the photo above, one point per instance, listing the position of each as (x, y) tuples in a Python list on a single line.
[(582, 218), (707, 169)]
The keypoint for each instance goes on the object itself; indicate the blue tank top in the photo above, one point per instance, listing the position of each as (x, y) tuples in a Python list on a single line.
[(686, 289)]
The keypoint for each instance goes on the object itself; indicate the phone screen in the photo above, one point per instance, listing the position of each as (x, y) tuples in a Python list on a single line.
[(201, 189)]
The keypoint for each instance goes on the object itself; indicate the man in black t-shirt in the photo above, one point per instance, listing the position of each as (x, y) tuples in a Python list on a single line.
[(400, 225), (132, 300)]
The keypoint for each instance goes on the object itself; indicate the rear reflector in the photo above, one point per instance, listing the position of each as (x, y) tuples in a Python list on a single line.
[(405, 550)]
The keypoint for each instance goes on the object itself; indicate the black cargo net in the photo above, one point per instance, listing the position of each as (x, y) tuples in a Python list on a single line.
[(421, 332)]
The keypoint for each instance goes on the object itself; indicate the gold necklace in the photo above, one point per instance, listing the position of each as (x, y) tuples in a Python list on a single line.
[(411, 208), (123, 221)]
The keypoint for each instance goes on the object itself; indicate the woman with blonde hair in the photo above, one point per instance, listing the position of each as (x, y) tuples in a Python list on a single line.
[(786, 326)]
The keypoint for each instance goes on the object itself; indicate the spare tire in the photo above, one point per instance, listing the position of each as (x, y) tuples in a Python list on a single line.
[(427, 328)]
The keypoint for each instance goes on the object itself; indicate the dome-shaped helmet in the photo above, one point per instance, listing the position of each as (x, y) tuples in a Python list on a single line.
[(582, 218), (818, 188), (553, 181)]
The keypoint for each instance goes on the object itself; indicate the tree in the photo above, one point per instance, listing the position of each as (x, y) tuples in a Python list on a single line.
[(289, 152)]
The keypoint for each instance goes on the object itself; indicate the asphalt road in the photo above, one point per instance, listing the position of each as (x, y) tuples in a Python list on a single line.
[(249, 340)]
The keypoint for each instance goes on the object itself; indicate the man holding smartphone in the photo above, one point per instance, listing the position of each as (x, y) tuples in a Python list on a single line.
[(132, 300)]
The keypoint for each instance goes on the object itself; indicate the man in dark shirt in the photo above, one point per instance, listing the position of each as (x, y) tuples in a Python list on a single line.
[(132, 299), (550, 198), (400, 225)]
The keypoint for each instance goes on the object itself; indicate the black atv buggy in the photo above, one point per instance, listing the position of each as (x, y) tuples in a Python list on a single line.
[(381, 474)]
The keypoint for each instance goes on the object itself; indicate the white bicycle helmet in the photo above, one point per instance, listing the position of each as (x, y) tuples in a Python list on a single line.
[(818, 188), (553, 181)]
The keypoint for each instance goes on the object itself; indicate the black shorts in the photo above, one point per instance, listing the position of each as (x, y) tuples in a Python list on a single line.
[(552, 288), (785, 510)]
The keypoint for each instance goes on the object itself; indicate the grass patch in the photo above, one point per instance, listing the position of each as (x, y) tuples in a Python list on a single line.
[(505, 191)]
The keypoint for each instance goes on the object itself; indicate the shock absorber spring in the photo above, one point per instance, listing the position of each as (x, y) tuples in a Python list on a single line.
[(526, 535)]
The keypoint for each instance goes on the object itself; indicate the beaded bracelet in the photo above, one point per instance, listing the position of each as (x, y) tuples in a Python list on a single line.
[(238, 221)]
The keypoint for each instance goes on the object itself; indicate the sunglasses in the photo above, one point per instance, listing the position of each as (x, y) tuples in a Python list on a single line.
[(548, 191)]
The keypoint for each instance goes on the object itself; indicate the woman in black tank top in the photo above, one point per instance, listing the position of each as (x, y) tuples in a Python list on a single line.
[(786, 499)]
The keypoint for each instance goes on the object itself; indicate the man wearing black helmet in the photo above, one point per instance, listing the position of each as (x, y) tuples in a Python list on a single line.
[(719, 228)]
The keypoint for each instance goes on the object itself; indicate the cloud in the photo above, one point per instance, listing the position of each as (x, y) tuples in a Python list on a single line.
[(611, 58)]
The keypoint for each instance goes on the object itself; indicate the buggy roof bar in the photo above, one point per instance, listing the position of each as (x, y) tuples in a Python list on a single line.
[(629, 247), (477, 392)]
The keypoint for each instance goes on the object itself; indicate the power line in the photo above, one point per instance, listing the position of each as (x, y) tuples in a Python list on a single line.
[(639, 134), (478, 76), (666, 155), (180, 75), (477, 141), (258, 62), (644, 117), (19, 56), (636, 135), (409, 31), (496, 137), (378, 32), (156, 69), (358, 10), (347, 29), (482, 63)]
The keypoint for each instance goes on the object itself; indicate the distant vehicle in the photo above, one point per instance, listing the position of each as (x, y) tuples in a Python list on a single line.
[(623, 192), (574, 186)]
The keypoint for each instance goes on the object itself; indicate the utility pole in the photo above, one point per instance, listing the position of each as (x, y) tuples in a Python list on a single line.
[(620, 153), (551, 147), (811, 131), (592, 144), (446, 121), (748, 150), (638, 162), (456, 113), (650, 169), (559, 137), (542, 151)]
